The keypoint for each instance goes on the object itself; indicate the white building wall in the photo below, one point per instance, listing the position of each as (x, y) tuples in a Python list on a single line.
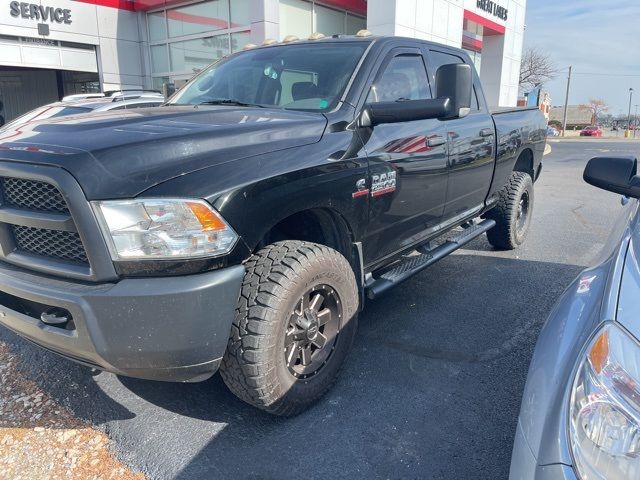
[(442, 21), (120, 52), (114, 33), (265, 20)]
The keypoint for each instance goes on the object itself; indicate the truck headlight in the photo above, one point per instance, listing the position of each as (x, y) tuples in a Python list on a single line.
[(160, 228), (604, 426)]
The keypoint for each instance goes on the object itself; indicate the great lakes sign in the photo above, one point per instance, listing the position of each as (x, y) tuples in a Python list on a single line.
[(493, 8), (41, 13)]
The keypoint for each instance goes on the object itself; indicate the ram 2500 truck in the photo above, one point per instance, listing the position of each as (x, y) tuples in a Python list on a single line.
[(242, 226)]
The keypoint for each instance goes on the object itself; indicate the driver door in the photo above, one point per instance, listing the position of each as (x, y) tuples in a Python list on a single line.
[(408, 161)]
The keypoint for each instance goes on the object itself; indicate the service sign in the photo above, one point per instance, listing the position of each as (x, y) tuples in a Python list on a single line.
[(40, 13)]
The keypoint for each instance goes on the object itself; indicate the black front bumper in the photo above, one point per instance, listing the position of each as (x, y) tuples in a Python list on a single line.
[(171, 329)]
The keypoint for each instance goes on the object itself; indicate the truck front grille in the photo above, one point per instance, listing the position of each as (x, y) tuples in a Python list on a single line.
[(50, 243), (33, 195)]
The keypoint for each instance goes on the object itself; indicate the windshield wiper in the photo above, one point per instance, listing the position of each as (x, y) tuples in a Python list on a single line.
[(230, 101)]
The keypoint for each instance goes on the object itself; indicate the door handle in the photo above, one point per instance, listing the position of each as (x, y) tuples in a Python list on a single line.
[(486, 132), (436, 141)]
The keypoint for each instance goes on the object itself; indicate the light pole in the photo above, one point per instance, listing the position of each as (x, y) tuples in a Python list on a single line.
[(628, 132), (635, 122), (566, 102)]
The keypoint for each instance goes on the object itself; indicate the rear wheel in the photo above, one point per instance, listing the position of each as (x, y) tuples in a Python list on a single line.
[(294, 325), (513, 212)]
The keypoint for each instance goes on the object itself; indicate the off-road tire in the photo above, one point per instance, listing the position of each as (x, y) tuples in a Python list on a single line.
[(254, 367), (509, 233)]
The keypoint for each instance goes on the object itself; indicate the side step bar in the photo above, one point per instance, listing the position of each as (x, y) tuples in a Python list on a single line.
[(416, 263)]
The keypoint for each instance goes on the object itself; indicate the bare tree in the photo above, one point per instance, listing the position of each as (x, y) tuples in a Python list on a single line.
[(598, 107), (536, 68)]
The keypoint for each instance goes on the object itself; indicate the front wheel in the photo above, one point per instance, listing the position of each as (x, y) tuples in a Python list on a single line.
[(295, 323), (512, 213)]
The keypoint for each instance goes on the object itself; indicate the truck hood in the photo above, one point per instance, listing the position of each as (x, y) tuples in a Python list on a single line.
[(121, 154)]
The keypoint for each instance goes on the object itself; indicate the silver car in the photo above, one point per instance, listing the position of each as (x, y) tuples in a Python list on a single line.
[(580, 413), (119, 101)]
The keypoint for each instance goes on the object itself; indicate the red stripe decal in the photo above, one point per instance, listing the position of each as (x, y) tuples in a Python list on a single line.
[(360, 193)]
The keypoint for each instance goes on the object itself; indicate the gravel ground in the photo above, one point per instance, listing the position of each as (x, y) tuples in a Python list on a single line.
[(40, 439)]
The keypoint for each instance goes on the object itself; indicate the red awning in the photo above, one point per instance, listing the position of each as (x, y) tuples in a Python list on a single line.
[(490, 27)]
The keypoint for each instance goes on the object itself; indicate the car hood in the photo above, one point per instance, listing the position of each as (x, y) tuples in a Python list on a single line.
[(121, 154)]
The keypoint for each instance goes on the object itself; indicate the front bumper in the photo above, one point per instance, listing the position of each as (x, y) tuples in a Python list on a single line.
[(525, 467), (171, 329)]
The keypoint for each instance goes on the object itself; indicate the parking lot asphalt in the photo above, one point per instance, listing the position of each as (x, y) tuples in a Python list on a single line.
[(431, 389)]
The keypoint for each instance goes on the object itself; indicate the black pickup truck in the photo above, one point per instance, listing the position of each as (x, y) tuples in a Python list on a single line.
[(242, 226)]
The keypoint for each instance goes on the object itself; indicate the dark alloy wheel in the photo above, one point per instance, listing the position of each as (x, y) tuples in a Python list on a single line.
[(296, 319), (313, 331), (512, 213), (522, 216)]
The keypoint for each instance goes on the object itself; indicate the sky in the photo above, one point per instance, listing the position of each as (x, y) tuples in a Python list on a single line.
[(595, 37)]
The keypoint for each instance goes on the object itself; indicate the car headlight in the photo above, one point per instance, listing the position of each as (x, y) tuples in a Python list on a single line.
[(160, 228), (604, 425)]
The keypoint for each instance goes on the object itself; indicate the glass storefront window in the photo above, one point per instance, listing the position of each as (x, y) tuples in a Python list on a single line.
[(194, 55), (157, 26), (240, 13), (301, 18), (328, 21), (215, 28), (239, 40), (198, 18), (159, 60), (355, 24)]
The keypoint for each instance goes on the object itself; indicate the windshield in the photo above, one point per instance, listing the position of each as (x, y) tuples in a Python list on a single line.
[(298, 77), (48, 111)]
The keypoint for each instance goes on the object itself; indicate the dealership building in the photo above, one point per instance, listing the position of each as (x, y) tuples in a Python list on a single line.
[(54, 48)]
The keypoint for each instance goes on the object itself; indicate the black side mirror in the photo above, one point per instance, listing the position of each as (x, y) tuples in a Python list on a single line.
[(455, 82), (615, 174), (403, 111)]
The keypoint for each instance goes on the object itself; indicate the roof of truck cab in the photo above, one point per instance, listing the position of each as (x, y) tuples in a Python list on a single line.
[(337, 39)]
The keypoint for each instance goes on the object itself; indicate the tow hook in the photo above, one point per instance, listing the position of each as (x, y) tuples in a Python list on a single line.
[(55, 316)]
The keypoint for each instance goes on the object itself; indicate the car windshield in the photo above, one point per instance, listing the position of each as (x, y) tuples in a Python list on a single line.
[(309, 77)]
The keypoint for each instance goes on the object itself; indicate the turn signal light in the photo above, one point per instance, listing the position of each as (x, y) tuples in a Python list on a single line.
[(207, 218)]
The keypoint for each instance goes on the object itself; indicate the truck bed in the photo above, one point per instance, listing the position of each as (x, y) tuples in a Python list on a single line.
[(502, 110)]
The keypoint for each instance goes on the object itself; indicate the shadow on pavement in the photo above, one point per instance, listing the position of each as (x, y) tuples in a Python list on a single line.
[(431, 390)]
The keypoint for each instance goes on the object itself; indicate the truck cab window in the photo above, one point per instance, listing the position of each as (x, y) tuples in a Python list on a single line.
[(405, 78)]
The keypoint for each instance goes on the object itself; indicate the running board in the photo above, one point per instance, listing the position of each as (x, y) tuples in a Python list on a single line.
[(416, 263)]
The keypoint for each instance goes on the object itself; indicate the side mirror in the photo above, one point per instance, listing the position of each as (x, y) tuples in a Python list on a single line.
[(455, 82), (454, 85), (615, 174)]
